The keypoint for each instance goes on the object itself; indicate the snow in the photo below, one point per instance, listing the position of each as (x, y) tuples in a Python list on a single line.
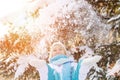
[(88, 51), (114, 18), (75, 16), (81, 17), (57, 17), (115, 69)]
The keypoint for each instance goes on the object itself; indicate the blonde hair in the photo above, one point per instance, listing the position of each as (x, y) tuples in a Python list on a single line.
[(58, 44)]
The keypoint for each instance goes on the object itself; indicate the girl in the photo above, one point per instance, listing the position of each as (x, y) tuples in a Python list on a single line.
[(60, 63), (61, 67), (64, 68)]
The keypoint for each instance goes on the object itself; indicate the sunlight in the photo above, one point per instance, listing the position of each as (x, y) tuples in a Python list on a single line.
[(3, 30), (10, 6)]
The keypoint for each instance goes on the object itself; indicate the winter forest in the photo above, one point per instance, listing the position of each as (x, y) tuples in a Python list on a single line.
[(86, 27)]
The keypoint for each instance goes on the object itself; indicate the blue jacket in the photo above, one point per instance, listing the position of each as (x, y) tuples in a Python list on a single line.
[(63, 68)]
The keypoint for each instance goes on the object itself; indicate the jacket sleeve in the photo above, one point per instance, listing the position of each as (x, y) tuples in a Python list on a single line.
[(46, 72), (85, 65), (41, 66)]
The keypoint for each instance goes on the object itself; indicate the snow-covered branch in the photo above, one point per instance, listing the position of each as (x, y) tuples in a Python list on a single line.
[(115, 70)]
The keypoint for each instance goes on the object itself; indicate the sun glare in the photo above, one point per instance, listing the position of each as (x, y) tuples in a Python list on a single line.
[(10, 6), (3, 30)]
